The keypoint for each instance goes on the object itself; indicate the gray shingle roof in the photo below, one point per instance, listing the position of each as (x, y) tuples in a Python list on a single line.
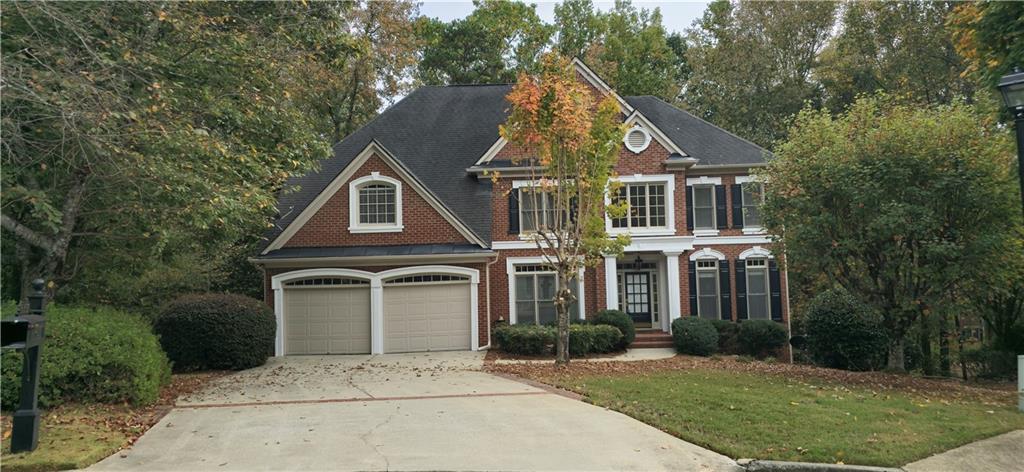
[(368, 251), (438, 132), (698, 138)]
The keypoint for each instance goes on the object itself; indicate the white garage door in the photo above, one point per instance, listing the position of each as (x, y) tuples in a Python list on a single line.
[(427, 314), (327, 316)]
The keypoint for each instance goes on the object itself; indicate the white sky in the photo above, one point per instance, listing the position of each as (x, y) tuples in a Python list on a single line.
[(678, 15)]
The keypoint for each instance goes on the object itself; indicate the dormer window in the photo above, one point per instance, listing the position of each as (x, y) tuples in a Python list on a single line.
[(375, 204), (637, 139)]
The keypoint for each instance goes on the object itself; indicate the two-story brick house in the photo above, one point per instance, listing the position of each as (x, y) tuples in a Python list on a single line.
[(401, 241)]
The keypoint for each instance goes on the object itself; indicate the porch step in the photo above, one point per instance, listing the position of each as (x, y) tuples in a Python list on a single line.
[(651, 339)]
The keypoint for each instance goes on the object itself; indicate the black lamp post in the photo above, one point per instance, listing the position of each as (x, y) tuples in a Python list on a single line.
[(1012, 88)]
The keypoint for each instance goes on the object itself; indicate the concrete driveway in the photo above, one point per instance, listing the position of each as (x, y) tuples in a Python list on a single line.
[(433, 411)]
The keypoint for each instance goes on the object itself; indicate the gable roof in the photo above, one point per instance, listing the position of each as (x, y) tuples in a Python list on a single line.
[(714, 146), (435, 133)]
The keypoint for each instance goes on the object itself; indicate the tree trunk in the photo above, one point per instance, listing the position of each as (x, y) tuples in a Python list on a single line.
[(896, 361), (944, 362), (925, 341), (562, 301)]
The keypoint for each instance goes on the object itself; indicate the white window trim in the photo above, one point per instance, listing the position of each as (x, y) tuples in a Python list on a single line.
[(510, 271), (642, 147), (705, 182), (756, 251), (354, 226), (718, 286), (740, 180), (707, 253), (669, 229), (767, 284)]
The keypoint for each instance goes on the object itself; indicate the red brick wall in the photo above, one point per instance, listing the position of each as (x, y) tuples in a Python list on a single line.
[(329, 226)]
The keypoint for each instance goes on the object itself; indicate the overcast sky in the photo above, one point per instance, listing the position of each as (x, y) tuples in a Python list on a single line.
[(677, 15)]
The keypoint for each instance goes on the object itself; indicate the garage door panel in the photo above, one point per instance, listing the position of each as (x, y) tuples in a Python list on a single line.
[(327, 321), (426, 317)]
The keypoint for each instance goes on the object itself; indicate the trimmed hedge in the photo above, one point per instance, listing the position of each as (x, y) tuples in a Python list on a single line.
[(761, 338), (693, 335), (728, 332), (90, 355), (844, 333), (988, 363), (216, 331), (620, 320), (530, 340)]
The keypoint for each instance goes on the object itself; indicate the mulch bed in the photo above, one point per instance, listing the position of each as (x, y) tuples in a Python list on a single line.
[(930, 388), (495, 354)]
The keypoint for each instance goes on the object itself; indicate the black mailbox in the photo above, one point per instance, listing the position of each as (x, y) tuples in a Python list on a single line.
[(20, 332)]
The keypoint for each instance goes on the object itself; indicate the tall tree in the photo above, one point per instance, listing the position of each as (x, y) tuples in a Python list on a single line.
[(576, 144), (129, 126), (899, 204), (490, 45), (898, 47), (633, 54), (578, 27), (752, 62), (988, 36)]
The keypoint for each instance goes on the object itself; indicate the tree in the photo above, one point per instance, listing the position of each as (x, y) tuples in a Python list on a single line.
[(576, 143), (752, 64), (578, 26), (987, 36), (130, 128), (489, 46), (898, 204), (898, 47)]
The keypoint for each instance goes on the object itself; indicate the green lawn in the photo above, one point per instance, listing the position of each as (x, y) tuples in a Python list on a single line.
[(744, 415)]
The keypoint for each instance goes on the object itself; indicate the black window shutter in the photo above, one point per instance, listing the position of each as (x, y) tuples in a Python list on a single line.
[(775, 289), (513, 212), (723, 287), (721, 207), (741, 290), (574, 208), (737, 206), (693, 288), (689, 208)]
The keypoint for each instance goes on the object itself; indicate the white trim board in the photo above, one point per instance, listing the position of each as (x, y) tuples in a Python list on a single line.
[(492, 151), (670, 213), (339, 181), (354, 226), (654, 131), (599, 84)]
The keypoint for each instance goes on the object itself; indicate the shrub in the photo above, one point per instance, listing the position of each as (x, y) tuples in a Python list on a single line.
[(91, 355), (530, 340), (216, 331), (844, 333), (988, 363), (619, 320), (761, 338), (727, 333), (692, 335)]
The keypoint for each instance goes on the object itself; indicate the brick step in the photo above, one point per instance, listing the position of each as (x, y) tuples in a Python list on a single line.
[(657, 335), (650, 344)]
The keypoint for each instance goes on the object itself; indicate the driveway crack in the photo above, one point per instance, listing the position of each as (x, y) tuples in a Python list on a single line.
[(376, 447)]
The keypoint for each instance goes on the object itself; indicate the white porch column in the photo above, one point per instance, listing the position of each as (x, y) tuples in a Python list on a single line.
[(611, 283), (672, 280), (376, 316)]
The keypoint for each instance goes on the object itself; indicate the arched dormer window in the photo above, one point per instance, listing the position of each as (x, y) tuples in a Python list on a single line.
[(375, 204)]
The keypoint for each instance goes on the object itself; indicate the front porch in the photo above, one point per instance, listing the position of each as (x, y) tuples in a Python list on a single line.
[(645, 285)]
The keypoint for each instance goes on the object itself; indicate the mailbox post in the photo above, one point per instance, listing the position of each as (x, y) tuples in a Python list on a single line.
[(26, 332)]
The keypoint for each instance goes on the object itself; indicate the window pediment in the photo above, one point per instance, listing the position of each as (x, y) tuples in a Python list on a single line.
[(375, 204)]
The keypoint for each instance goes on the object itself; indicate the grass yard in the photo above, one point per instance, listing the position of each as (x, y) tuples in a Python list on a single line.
[(77, 436), (797, 413)]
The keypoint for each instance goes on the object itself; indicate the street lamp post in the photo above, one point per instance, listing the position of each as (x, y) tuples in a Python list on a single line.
[(1012, 88)]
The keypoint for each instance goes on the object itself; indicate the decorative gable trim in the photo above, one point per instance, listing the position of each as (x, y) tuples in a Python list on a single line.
[(336, 185), (638, 119), (599, 84)]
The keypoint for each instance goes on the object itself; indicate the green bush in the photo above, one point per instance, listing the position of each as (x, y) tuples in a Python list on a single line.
[(844, 333), (90, 355), (692, 335), (216, 331), (525, 340), (727, 336), (530, 340), (761, 338), (619, 320), (988, 363)]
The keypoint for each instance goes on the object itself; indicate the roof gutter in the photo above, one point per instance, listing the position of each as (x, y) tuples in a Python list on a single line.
[(370, 260), (714, 169), (508, 171)]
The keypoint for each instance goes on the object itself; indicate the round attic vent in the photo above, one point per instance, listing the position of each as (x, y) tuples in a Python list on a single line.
[(637, 139)]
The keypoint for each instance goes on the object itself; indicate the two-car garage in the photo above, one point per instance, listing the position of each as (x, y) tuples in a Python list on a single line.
[(335, 311)]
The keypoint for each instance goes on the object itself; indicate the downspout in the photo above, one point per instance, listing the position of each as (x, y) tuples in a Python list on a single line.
[(487, 281)]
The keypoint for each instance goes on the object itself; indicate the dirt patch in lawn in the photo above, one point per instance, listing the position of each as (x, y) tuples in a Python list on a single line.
[(930, 388), (78, 435)]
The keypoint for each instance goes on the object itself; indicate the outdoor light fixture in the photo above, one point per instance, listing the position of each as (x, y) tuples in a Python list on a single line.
[(1012, 88), (638, 263)]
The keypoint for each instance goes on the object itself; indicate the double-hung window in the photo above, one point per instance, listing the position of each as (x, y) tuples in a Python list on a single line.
[(704, 207), (753, 196), (536, 209), (377, 204), (758, 301), (707, 289), (536, 287), (646, 206)]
